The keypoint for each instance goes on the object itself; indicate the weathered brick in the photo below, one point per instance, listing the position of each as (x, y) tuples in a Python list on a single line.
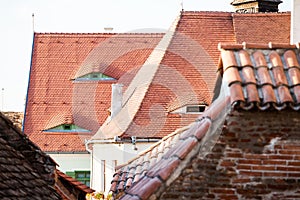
[(252, 169), (244, 167), (250, 173), (263, 168), (250, 161), (293, 163), (222, 191), (227, 163), (289, 169), (275, 174), (274, 162)]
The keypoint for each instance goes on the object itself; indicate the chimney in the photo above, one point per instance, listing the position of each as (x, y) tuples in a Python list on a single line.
[(254, 6), (108, 29), (116, 99), (295, 22)]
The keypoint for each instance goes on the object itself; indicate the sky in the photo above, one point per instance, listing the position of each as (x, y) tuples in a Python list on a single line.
[(79, 16)]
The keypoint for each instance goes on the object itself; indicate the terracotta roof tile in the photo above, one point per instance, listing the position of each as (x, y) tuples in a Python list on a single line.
[(55, 98), (239, 96), (192, 57), (275, 83)]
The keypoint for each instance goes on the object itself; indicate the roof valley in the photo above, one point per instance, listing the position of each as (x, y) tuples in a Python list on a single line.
[(137, 89)]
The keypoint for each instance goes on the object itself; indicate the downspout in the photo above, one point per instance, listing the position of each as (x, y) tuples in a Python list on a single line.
[(30, 68)]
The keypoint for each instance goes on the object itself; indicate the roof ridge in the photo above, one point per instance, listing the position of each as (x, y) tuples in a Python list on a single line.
[(99, 33), (203, 11)]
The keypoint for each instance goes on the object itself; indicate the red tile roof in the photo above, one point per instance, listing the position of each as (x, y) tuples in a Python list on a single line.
[(187, 72), (191, 57), (243, 88), (55, 98)]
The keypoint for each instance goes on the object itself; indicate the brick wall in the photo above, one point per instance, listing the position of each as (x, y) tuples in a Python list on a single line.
[(256, 157)]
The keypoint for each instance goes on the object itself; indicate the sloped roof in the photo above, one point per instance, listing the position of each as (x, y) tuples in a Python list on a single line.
[(55, 96), (186, 74), (253, 74), (67, 185), (25, 170)]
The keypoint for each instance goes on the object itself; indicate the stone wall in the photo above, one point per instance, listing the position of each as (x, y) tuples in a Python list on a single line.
[(15, 117), (256, 157)]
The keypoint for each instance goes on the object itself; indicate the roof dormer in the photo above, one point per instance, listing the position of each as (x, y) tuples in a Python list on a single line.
[(254, 6)]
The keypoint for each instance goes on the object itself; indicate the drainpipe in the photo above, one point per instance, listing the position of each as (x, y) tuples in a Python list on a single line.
[(295, 22)]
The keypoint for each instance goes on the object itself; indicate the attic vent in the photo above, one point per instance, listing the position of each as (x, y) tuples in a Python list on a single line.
[(94, 76), (195, 109)]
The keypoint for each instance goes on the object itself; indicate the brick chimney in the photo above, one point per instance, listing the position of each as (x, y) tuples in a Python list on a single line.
[(295, 22), (116, 99), (254, 6)]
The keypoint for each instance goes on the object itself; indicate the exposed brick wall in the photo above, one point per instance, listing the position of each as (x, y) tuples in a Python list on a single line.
[(256, 157)]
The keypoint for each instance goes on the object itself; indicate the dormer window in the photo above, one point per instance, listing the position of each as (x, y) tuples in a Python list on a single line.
[(67, 128), (95, 76)]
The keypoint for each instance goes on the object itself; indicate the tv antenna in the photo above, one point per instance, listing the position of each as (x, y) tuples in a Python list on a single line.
[(181, 4), (32, 21), (2, 99)]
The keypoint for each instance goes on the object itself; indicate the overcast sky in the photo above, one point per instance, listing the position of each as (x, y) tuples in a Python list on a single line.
[(77, 16)]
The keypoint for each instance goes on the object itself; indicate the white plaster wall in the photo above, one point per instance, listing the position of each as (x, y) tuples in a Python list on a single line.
[(295, 22), (121, 153), (71, 162)]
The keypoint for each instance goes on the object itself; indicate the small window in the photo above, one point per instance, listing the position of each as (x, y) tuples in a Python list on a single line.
[(81, 176), (94, 77), (67, 128), (195, 109)]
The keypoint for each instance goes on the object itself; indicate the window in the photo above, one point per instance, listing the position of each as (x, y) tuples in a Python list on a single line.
[(94, 77), (195, 109), (67, 128), (81, 176), (190, 109)]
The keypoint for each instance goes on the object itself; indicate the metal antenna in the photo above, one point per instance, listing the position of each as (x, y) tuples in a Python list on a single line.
[(33, 22), (2, 99), (181, 5)]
